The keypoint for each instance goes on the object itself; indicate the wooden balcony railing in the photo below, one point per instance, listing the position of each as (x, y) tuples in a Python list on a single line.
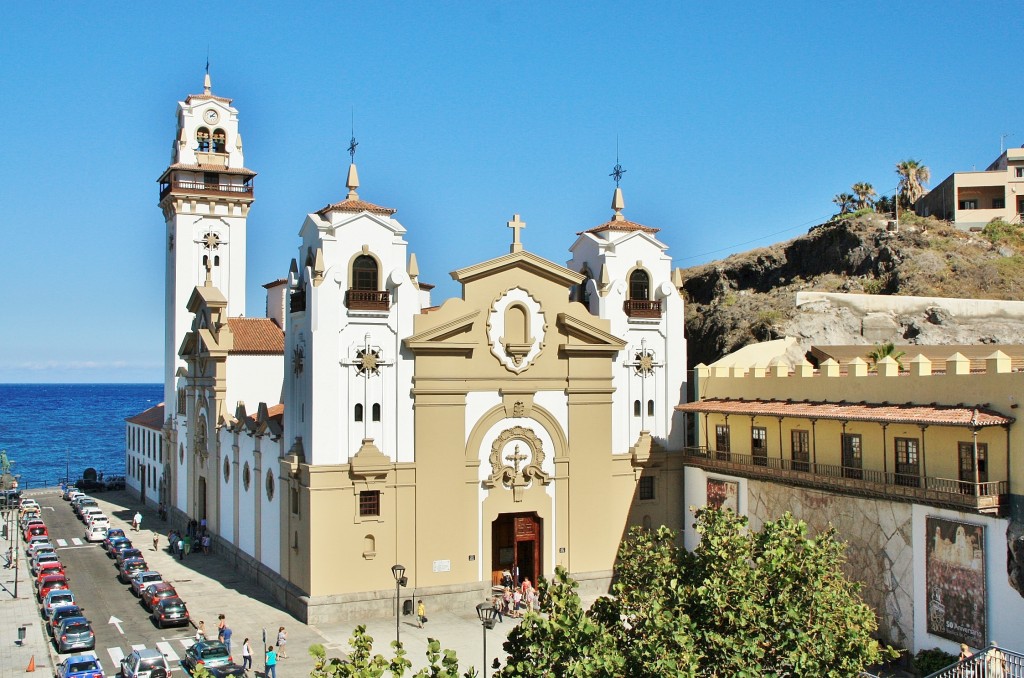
[(642, 308), (368, 300), (204, 188), (984, 497)]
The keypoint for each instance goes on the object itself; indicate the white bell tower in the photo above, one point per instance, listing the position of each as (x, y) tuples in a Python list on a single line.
[(205, 194)]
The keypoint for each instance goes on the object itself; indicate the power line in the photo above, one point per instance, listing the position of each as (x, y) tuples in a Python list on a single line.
[(819, 220)]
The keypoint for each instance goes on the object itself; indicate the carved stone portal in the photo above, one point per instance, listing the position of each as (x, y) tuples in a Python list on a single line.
[(517, 455)]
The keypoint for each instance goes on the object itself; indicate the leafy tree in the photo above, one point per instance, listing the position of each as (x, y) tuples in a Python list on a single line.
[(865, 194), (845, 201), (888, 349), (362, 663), (913, 177), (885, 204), (768, 603)]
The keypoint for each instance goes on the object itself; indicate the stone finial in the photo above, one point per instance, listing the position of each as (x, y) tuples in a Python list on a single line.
[(238, 143), (618, 204), (857, 367), (803, 369), (414, 267), (206, 84), (701, 370), (920, 366), (829, 368), (677, 278), (352, 183), (997, 363), (887, 367), (759, 371), (318, 267), (958, 363), (778, 368), (737, 371)]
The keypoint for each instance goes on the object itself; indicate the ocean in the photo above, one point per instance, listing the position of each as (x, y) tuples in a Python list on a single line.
[(46, 428)]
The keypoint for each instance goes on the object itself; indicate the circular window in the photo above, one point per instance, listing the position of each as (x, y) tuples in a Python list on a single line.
[(270, 486), (246, 476), (181, 453), (227, 469)]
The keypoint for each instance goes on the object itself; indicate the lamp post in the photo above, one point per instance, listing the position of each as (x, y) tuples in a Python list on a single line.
[(398, 571), (488, 617)]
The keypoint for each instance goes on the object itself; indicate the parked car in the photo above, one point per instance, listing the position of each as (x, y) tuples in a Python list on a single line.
[(170, 612), (117, 544), (74, 635), (37, 540), (31, 520), (210, 654), (88, 512), (51, 582), (39, 546), (80, 666), (48, 573), (98, 520), (74, 494), (141, 580), (50, 567), (36, 531), (129, 568), (39, 559), (59, 614), (55, 599), (124, 554), (28, 502), (144, 663), (154, 593), (77, 502), (95, 533)]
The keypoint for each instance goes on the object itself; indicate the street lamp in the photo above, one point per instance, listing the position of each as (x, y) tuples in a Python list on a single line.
[(488, 617), (398, 571)]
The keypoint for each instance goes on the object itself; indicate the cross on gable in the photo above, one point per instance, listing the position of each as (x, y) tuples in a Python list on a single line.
[(516, 458), (516, 225)]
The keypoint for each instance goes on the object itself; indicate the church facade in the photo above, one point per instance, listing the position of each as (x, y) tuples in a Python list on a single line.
[(525, 425)]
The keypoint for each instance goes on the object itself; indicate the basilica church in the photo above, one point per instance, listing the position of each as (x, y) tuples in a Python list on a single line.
[(525, 425)]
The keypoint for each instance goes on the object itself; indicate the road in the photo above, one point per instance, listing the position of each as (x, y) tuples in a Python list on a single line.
[(118, 618)]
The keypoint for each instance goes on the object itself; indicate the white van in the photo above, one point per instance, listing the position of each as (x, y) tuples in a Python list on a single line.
[(96, 532)]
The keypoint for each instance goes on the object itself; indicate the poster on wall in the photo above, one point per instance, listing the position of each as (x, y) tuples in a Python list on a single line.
[(955, 580), (723, 494)]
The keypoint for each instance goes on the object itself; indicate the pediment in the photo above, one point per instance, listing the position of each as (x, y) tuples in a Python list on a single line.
[(209, 296), (587, 338), (524, 260), (455, 335)]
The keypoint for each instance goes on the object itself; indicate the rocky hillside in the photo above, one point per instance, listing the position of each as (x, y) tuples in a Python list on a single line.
[(750, 297)]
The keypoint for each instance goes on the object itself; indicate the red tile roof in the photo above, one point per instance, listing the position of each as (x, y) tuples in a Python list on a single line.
[(357, 206), (256, 336), (153, 418), (907, 413), (275, 283), (206, 97), (621, 225)]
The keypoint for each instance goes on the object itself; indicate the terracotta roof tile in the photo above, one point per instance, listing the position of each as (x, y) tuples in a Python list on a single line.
[(357, 206), (907, 413), (193, 167), (621, 225), (153, 418), (256, 336), (275, 283), (206, 97)]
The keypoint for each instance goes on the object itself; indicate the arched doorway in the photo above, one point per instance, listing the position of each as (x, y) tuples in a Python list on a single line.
[(517, 546)]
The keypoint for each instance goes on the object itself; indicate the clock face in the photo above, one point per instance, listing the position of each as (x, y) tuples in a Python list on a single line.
[(211, 116)]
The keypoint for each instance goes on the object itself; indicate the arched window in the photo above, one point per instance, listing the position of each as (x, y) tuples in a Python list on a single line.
[(219, 141), (364, 273), (636, 408), (203, 140), (583, 295), (639, 285), (358, 416), (216, 260), (376, 412), (650, 408)]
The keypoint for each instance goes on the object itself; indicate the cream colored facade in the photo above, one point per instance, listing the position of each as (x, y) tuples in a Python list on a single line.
[(972, 199), (930, 445)]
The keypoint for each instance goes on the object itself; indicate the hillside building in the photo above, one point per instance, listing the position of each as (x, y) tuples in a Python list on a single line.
[(519, 427), (972, 199)]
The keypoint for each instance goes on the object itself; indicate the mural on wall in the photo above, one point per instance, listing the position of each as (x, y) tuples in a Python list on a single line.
[(723, 494), (955, 580)]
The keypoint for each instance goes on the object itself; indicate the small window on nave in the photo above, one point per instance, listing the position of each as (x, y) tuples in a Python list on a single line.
[(364, 273), (636, 408), (639, 285), (650, 408), (376, 412), (357, 414)]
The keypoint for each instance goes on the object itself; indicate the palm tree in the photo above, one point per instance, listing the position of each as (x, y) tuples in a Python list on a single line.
[(865, 193), (913, 176), (883, 350), (845, 202)]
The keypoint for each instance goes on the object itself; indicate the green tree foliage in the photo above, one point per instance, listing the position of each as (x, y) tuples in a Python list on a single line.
[(888, 349), (845, 202), (865, 194), (363, 663), (913, 177), (768, 603)]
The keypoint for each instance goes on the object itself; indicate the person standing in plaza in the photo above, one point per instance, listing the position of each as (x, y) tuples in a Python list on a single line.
[(137, 521), (156, 540), (246, 656), (282, 643), (188, 545), (181, 548), (271, 663), (421, 612)]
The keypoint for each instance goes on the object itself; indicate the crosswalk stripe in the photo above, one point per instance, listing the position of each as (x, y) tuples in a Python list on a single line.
[(62, 542), (168, 651), (141, 646), (76, 541), (116, 655), (187, 643)]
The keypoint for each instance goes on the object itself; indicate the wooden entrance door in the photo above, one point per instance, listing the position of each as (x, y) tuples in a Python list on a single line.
[(516, 546)]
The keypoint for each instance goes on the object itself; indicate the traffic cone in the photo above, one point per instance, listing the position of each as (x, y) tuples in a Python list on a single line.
[(31, 665)]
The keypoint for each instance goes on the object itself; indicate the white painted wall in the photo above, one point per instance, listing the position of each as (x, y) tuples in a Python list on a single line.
[(253, 379)]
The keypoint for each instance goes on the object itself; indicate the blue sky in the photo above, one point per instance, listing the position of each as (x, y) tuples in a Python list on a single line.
[(736, 122)]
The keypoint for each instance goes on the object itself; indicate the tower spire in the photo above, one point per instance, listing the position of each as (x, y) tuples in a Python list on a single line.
[(617, 201), (206, 78), (353, 176)]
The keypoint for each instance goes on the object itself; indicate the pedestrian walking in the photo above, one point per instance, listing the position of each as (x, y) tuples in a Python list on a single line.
[(10, 558), (188, 545), (137, 521), (181, 549), (205, 541), (225, 637), (156, 541), (271, 663), (421, 612), (282, 643), (201, 631), (246, 656), (496, 603)]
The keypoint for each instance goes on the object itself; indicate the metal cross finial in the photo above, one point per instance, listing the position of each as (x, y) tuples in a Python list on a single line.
[(352, 144), (617, 171)]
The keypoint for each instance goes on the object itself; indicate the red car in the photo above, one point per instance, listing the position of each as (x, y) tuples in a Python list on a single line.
[(49, 582), (154, 593), (50, 567), (36, 531)]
